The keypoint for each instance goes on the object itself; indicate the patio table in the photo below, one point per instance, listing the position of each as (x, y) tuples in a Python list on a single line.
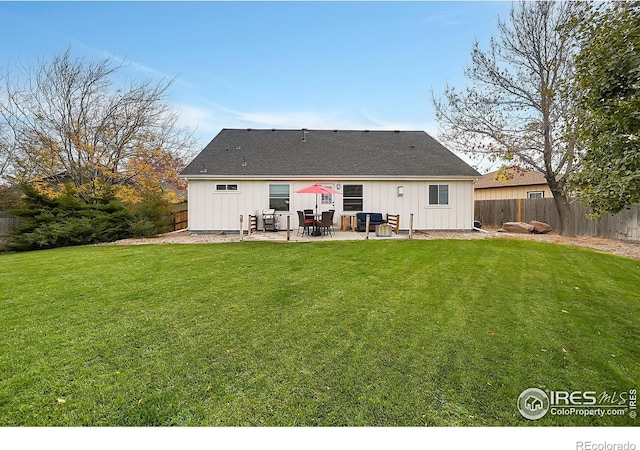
[(316, 230)]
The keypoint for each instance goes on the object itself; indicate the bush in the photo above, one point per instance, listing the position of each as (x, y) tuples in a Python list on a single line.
[(66, 221), (143, 228), (149, 217)]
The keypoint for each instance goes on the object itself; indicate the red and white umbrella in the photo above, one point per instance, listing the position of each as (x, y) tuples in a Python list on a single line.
[(316, 189)]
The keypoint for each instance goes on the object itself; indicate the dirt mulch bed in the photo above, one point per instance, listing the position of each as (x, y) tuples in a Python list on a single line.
[(630, 249)]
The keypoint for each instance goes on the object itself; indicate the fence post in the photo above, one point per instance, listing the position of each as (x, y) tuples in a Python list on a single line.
[(241, 228), (367, 222), (288, 226), (411, 226), (519, 210)]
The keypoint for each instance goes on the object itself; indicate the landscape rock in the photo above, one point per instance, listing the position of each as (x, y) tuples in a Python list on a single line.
[(540, 227), (517, 227)]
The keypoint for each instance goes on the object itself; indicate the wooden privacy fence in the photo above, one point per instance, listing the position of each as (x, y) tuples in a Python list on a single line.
[(624, 225), (7, 222), (180, 220)]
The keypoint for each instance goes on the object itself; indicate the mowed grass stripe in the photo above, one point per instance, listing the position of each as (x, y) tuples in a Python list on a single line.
[(396, 333)]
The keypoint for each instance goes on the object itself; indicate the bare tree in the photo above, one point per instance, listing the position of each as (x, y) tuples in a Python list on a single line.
[(515, 110), (5, 154), (68, 121)]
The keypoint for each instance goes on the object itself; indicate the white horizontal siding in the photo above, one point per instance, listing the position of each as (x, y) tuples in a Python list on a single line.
[(214, 211)]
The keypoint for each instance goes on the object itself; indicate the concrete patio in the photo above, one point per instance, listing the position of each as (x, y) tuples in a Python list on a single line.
[(337, 236)]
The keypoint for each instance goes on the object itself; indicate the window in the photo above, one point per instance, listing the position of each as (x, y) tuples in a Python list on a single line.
[(226, 187), (279, 197), (438, 194), (327, 199), (352, 197), (535, 194)]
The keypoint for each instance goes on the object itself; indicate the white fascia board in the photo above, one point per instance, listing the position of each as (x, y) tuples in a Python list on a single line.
[(205, 177)]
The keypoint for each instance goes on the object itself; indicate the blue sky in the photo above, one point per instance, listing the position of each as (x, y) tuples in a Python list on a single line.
[(326, 65)]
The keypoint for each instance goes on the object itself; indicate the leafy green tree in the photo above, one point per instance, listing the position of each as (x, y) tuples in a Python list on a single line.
[(608, 82)]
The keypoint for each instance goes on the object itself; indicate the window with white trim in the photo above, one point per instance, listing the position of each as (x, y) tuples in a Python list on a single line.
[(535, 194), (226, 187), (438, 194), (279, 197), (352, 199)]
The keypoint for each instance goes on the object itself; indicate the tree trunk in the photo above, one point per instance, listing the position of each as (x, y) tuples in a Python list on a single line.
[(567, 222)]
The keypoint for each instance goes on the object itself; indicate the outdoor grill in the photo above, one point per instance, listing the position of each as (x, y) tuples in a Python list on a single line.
[(268, 220)]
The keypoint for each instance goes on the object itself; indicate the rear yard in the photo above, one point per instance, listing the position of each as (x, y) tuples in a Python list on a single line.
[(354, 333)]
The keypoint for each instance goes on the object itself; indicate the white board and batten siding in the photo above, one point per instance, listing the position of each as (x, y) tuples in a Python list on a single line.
[(212, 210)]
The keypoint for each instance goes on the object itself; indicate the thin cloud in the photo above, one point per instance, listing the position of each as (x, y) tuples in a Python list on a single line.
[(326, 119), (125, 62), (209, 119), (87, 50), (384, 124), (451, 19), (277, 119)]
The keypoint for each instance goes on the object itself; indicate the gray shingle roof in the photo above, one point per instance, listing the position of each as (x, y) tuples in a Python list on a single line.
[(258, 152)]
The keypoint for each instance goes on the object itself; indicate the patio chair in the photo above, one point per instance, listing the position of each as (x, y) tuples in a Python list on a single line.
[(333, 212), (308, 214), (303, 223), (325, 223)]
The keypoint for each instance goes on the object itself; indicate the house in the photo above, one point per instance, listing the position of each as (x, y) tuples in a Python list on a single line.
[(512, 183), (244, 171), (533, 403)]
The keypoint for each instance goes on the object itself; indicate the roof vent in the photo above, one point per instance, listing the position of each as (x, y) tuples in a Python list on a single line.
[(248, 129), (366, 131), (244, 161), (304, 134), (203, 170)]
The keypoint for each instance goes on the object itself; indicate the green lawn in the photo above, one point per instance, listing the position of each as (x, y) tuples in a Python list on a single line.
[(362, 333)]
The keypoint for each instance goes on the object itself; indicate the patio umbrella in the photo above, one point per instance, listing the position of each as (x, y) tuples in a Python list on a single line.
[(316, 189)]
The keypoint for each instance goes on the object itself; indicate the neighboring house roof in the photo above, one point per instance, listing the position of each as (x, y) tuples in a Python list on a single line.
[(519, 178), (253, 153)]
